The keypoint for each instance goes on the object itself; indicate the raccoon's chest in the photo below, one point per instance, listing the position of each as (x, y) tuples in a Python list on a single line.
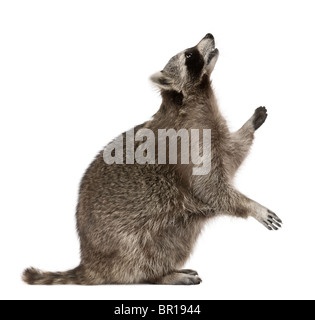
[(207, 186), (219, 152)]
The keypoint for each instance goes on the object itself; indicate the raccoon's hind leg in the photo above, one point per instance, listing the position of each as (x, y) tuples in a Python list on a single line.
[(179, 278)]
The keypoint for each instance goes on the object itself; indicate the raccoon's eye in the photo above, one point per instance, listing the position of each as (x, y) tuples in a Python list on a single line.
[(188, 55)]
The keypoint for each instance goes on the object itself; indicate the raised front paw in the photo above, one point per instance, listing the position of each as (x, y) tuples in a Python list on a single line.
[(259, 117)]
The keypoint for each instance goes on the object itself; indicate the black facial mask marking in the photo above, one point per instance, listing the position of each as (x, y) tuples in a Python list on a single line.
[(194, 62)]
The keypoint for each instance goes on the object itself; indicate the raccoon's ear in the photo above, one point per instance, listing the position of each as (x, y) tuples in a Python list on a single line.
[(162, 80)]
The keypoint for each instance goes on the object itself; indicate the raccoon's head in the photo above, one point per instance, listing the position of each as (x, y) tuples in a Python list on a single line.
[(186, 70)]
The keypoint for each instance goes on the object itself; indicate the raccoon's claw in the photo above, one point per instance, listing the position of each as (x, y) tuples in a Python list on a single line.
[(268, 218), (272, 222)]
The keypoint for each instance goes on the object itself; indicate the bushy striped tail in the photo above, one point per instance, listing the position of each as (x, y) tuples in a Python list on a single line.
[(37, 277)]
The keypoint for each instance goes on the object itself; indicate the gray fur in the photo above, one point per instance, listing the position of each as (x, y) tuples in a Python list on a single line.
[(139, 223)]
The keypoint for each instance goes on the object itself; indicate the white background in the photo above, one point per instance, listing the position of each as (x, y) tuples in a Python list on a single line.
[(74, 74)]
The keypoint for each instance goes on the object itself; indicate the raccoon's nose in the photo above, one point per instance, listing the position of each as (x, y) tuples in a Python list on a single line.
[(209, 36)]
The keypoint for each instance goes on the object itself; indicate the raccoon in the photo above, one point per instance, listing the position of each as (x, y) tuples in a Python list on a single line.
[(139, 223)]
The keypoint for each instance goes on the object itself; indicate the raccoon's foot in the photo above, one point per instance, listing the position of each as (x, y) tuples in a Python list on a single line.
[(179, 278), (188, 271), (268, 218), (259, 117)]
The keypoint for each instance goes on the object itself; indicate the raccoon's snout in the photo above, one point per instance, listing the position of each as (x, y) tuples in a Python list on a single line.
[(209, 36), (207, 47), (207, 44)]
